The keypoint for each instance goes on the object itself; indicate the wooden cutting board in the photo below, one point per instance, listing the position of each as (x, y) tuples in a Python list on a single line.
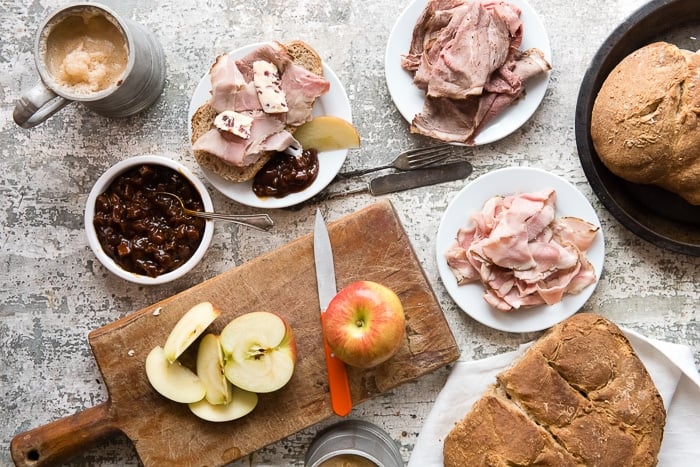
[(369, 244)]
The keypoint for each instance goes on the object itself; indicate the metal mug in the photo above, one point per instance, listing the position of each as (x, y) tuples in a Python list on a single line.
[(138, 86), (353, 442)]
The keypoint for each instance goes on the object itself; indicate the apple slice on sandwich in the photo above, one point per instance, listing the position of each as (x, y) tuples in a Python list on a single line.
[(327, 133), (260, 352)]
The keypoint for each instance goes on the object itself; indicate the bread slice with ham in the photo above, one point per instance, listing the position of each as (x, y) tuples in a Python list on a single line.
[(238, 156)]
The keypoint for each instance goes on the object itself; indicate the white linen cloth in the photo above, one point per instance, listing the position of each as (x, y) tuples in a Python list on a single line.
[(671, 366)]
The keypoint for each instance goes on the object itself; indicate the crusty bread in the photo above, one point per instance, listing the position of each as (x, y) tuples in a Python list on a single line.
[(203, 120), (645, 123), (579, 396), (304, 55)]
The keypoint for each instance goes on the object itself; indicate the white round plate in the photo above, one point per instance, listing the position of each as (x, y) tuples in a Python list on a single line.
[(334, 102), (409, 99), (469, 297)]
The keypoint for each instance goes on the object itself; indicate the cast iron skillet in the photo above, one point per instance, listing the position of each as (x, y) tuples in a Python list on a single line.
[(652, 213)]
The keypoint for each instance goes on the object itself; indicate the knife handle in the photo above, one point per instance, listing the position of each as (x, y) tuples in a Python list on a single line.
[(341, 400), (410, 179)]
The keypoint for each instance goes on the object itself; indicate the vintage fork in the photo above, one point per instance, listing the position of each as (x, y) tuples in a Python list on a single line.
[(409, 160)]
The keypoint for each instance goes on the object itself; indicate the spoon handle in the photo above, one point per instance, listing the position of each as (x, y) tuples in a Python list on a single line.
[(256, 221)]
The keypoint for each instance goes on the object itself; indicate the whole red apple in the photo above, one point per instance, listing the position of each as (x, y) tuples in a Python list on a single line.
[(364, 324)]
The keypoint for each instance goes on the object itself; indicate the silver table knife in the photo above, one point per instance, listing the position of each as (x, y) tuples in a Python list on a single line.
[(341, 402), (400, 181)]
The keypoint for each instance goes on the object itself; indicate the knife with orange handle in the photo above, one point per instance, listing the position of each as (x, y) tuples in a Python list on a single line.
[(341, 401)]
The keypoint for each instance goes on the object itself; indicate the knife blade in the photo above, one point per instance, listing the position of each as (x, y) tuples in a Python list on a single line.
[(341, 401), (401, 181)]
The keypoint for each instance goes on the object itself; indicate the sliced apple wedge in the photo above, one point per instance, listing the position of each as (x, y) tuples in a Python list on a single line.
[(188, 329), (259, 350), (172, 380), (210, 369), (242, 403), (327, 133)]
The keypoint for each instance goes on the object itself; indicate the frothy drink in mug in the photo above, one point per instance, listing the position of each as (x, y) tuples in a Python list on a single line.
[(86, 53)]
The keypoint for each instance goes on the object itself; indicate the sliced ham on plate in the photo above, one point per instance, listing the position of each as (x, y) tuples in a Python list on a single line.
[(521, 253), (465, 56)]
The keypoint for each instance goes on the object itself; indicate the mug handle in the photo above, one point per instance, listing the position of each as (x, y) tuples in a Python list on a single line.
[(36, 105)]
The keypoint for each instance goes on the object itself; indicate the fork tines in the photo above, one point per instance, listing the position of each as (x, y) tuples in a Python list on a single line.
[(421, 153), (422, 157), (428, 149)]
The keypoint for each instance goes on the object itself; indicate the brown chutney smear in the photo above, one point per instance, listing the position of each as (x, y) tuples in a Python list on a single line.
[(144, 232), (285, 174)]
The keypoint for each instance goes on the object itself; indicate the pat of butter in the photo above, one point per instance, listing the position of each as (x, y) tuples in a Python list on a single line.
[(234, 122), (266, 80)]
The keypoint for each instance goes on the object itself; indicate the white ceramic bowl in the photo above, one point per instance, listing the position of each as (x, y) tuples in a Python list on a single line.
[(101, 186)]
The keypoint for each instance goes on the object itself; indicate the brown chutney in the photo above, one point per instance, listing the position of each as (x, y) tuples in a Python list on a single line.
[(145, 232), (285, 174)]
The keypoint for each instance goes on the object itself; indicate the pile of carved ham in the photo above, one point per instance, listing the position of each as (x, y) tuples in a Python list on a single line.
[(466, 57), (521, 253)]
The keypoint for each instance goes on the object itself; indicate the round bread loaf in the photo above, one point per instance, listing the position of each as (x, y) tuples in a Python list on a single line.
[(645, 123), (579, 396), (203, 120)]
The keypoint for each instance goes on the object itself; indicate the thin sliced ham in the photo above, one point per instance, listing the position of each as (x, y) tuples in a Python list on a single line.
[(508, 244), (465, 56), (435, 16), (266, 134), (473, 45), (462, 266), (510, 15), (229, 89), (521, 253), (300, 86), (574, 230), (584, 277)]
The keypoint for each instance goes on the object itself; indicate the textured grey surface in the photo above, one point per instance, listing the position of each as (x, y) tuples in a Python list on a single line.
[(53, 291)]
